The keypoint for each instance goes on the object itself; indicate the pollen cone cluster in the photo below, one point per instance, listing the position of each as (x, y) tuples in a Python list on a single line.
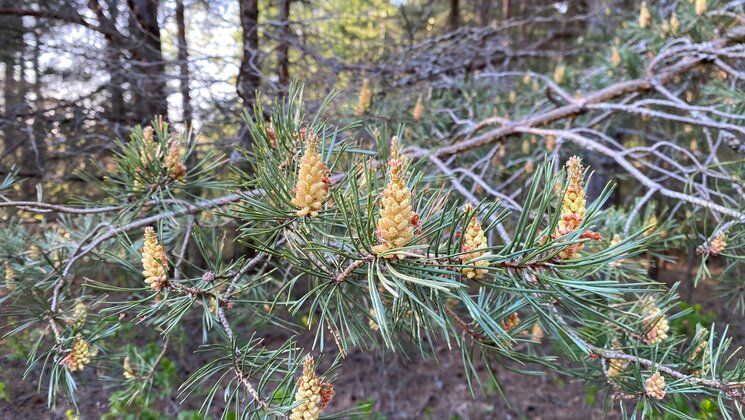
[(560, 73), (474, 240), (79, 357), (616, 366), (10, 277), (702, 338), (147, 134), (654, 387), (79, 314), (511, 322), (152, 152), (416, 113), (313, 181), (312, 392), (654, 321), (529, 167), (700, 7), (615, 57), (172, 162), (665, 27), (536, 333), (154, 261), (702, 350), (397, 220), (371, 321), (550, 142), (128, 373), (645, 18), (150, 146), (674, 23), (365, 100), (718, 244), (573, 209), (271, 135)]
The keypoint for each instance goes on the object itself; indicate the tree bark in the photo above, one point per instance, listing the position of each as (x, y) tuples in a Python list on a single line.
[(11, 34), (9, 104), (283, 71), (150, 75), (39, 129), (116, 112), (454, 17), (29, 151), (484, 11), (249, 76), (183, 59)]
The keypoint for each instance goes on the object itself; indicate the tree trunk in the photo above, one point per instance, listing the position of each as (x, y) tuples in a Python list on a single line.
[(249, 76), (183, 59), (39, 129), (505, 9), (148, 64), (484, 10), (9, 103), (29, 150), (283, 71), (454, 17), (11, 34), (116, 112)]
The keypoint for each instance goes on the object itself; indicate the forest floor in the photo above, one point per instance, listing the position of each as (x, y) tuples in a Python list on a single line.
[(397, 388)]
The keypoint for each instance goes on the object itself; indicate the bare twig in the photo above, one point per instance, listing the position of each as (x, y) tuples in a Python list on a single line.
[(184, 246), (342, 276)]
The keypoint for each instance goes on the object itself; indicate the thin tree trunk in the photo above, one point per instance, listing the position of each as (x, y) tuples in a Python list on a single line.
[(117, 111), (283, 71), (521, 15), (249, 76), (11, 34), (183, 59), (152, 77), (29, 150), (38, 129), (505, 9), (484, 11), (9, 101), (454, 17)]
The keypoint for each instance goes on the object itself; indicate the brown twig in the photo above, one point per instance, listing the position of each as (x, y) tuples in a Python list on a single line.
[(342, 276), (464, 325)]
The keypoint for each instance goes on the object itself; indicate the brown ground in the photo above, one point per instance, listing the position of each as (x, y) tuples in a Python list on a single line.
[(414, 389), (426, 389)]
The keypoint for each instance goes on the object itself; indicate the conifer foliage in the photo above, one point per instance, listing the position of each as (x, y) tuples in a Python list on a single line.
[(362, 237)]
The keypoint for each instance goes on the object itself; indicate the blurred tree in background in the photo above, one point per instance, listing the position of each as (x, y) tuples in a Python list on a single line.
[(210, 205)]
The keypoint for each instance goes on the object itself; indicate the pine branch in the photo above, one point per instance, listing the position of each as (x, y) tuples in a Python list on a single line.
[(734, 390), (580, 106), (620, 158)]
